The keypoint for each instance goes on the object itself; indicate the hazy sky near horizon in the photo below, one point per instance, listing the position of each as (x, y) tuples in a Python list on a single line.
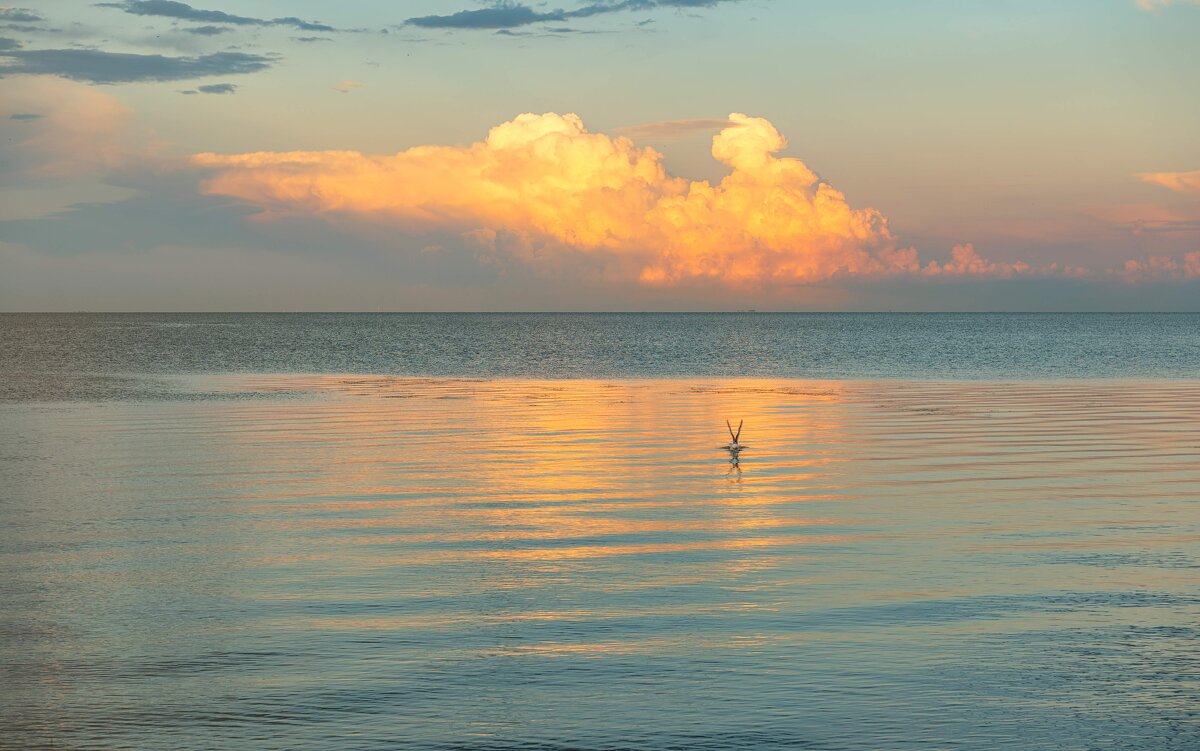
[(600, 155)]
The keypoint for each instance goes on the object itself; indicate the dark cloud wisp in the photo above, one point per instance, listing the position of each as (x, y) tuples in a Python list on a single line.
[(19, 15), (507, 15), (499, 17), (185, 12), (207, 31), (97, 66)]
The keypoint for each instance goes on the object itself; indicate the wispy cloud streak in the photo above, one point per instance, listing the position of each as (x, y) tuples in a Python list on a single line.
[(98, 66), (19, 15), (665, 129), (185, 12), (1182, 182), (508, 15)]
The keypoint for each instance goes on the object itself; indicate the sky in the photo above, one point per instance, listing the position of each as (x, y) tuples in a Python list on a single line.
[(600, 155)]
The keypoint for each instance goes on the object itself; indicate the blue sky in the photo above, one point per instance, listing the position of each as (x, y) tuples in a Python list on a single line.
[(1052, 143)]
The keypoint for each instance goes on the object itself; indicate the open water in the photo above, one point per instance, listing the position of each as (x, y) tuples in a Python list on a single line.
[(520, 532)]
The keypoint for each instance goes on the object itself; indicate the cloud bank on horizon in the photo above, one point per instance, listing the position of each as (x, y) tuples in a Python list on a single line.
[(543, 186), (541, 192)]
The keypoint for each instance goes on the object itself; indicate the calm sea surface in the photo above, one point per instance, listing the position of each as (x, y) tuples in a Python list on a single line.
[(345, 532)]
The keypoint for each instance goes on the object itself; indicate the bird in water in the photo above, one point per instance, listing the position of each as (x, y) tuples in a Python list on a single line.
[(733, 445)]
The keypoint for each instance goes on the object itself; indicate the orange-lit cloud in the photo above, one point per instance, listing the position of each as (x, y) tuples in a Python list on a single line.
[(1157, 268), (965, 261), (1183, 182), (546, 184)]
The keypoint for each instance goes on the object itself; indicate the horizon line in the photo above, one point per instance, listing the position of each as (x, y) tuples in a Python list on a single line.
[(600, 312)]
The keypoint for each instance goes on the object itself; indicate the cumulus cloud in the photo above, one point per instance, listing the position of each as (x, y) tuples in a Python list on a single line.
[(541, 195), (98, 66), (1183, 182), (543, 188), (965, 261), (1154, 268), (185, 12), (541, 207)]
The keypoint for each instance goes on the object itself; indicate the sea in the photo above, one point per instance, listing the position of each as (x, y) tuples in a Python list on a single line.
[(524, 531)]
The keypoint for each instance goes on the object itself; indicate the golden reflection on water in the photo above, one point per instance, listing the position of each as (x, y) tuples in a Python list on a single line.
[(586, 465), (621, 468), (471, 529)]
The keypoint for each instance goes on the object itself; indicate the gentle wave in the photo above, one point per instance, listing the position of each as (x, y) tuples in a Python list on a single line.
[(366, 561)]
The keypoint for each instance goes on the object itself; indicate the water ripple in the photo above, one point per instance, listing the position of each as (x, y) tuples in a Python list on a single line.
[(377, 562)]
